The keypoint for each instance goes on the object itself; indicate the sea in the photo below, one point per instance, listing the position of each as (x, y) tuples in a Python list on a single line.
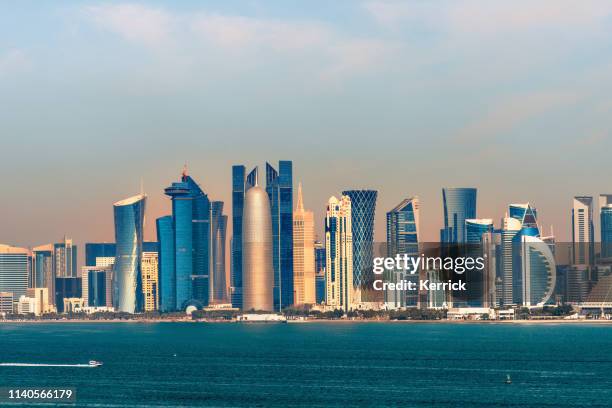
[(343, 364)]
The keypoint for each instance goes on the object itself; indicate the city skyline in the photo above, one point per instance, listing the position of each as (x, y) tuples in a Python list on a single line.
[(94, 102)]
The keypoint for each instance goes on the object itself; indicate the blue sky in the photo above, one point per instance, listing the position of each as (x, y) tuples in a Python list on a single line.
[(404, 97)]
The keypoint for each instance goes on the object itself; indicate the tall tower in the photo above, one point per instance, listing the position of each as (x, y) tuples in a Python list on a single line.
[(605, 217), (279, 186), (129, 224), (257, 276), (167, 274), (459, 205), (218, 287), (511, 228), (402, 238), (303, 254), (363, 206), (582, 230), (238, 188), (339, 254), (65, 255), (150, 281)]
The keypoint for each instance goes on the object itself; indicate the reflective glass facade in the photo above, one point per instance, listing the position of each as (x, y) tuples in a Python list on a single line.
[(363, 206), (167, 275), (238, 187), (475, 228), (217, 257), (129, 223), (606, 231), (14, 270), (279, 186), (527, 216), (95, 250), (459, 205)]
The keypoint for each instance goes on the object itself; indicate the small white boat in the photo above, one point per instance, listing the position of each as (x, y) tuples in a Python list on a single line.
[(508, 379), (94, 363)]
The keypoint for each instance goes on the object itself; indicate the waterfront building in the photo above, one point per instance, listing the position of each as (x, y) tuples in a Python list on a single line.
[(129, 217), (191, 238), (303, 253), (459, 205), (218, 226), (238, 189), (65, 259), (150, 289), (402, 238), (27, 305), (582, 230), (605, 218), (6, 302), (67, 288), (362, 207), (167, 275), (279, 186), (339, 254), (97, 286), (511, 228), (319, 248), (15, 266), (43, 270), (41, 297), (538, 271), (257, 276)]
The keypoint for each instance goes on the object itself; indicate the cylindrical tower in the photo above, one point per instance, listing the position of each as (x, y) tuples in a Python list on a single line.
[(257, 272)]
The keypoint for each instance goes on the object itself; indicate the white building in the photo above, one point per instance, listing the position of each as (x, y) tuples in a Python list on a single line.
[(582, 230), (339, 254), (303, 254)]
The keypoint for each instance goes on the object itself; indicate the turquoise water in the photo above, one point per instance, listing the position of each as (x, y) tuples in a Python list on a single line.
[(316, 364)]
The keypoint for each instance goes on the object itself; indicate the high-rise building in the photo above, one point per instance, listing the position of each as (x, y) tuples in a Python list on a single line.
[(303, 254), (402, 238), (191, 232), (279, 186), (319, 248), (459, 205), (15, 266), (97, 286), (43, 270), (363, 207), (95, 250), (511, 228), (67, 288), (150, 290), (129, 224), (42, 300), (527, 216), (238, 188), (339, 254), (605, 218), (6, 302), (218, 227), (65, 256), (582, 231), (538, 271), (475, 228), (167, 275), (257, 270), (478, 239)]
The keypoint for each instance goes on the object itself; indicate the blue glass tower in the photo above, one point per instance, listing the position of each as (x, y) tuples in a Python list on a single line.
[(95, 250), (475, 228), (238, 190), (217, 257), (605, 216), (459, 205), (129, 222), (528, 216), (363, 207), (167, 275), (279, 186)]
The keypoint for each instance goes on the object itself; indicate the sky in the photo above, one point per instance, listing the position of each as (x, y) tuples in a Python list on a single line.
[(403, 97)]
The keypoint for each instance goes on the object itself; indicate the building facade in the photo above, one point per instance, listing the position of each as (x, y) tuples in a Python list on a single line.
[(339, 279), (459, 205), (65, 259), (167, 275), (582, 231), (218, 227), (303, 254), (605, 219), (97, 286), (15, 267), (150, 286)]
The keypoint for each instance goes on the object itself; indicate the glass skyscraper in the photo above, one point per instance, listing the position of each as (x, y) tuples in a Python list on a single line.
[(95, 250), (363, 206), (528, 217), (218, 223), (279, 186), (583, 233), (43, 271), (539, 271), (238, 187), (167, 275), (475, 228), (320, 271), (129, 222), (65, 257), (191, 230), (605, 217), (459, 205), (15, 264)]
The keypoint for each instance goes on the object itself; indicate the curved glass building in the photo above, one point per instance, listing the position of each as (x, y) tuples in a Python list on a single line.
[(539, 271), (129, 223), (475, 228), (363, 207), (459, 205), (258, 272)]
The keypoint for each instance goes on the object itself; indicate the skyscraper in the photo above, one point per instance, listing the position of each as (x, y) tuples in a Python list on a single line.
[(319, 248), (150, 279), (363, 206), (238, 188), (279, 186), (96, 286), (43, 270), (527, 216), (15, 264), (511, 228), (129, 223), (459, 205), (257, 277), (218, 226), (605, 218), (475, 228), (303, 254), (479, 283), (191, 232), (339, 254), (402, 238), (167, 275), (538, 271), (95, 250), (65, 256), (582, 230)]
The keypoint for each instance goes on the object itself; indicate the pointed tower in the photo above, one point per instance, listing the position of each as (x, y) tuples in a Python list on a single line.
[(303, 254)]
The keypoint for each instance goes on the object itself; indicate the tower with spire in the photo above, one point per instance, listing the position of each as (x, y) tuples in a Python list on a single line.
[(303, 253)]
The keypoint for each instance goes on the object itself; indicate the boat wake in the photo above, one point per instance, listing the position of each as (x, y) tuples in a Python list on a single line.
[(91, 364)]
